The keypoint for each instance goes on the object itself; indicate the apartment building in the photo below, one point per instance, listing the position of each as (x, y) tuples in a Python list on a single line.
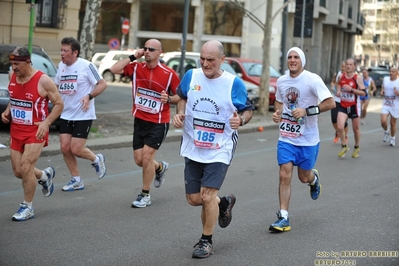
[(328, 34), (379, 44)]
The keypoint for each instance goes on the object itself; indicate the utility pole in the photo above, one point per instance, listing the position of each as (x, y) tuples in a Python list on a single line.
[(183, 40), (32, 25), (303, 22)]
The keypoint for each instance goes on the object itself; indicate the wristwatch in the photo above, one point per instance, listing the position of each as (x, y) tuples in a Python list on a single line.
[(169, 99), (242, 120), (90, 97)]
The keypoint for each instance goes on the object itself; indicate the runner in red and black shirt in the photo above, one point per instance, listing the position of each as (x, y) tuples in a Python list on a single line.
[(153, 90), (350, 86)]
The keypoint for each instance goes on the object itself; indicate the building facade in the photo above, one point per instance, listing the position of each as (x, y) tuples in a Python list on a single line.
[(327, 35), (379, 44)]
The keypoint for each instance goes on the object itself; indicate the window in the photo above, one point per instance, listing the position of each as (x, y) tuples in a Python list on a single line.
[(222, 18), (164, 16), (51, 13)]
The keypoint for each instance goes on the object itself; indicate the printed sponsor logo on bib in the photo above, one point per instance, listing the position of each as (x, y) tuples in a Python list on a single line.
[(207, 134), (21, 112), (68, 84), (148, 101)]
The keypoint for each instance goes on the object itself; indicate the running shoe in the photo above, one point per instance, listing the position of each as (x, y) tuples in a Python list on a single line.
[(73, 185), (47, 185), (386, 137), (160, 176), (24, 213), (392, 142), (142, 201), (336, 139), (281, 225), (203, 249), (343, 151), (355, 153), (315, 190), (226, 215), (100, 167)]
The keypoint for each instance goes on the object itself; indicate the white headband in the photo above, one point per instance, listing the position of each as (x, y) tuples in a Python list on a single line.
[(300, 53)]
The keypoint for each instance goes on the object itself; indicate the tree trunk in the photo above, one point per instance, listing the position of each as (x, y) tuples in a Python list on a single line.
[(89, 27), (263, 107)]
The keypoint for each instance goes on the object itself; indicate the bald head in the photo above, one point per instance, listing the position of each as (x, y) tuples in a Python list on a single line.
[(211, 58), (215, 46)]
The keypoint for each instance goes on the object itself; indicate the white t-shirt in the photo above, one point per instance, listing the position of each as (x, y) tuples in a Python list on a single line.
[(74, 82), (308, 89), (390, 99)]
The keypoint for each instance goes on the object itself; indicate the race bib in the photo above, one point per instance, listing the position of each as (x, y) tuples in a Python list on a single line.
[(148, 101), (291, 129), (68, 84), (207, 134), (389, 100), (21, 112), (347, 97)]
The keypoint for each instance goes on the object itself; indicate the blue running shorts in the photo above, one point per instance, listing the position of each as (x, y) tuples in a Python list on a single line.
[(302, 156)]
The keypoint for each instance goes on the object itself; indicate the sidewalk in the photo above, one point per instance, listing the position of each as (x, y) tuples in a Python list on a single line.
[(126, 141)]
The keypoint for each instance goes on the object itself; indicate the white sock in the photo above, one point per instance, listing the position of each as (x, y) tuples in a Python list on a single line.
[(77, 178), (29, 204), (44, 176), (96, 160), (284, 214), (314, 181)]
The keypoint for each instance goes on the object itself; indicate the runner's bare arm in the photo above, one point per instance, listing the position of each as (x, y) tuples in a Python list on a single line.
[(51, 91)]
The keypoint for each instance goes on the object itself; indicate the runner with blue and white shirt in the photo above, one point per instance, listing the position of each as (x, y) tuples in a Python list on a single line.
[(213, 104)]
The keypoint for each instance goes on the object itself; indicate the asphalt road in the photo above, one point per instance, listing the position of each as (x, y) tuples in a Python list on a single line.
[(117, 97), (356, 214)]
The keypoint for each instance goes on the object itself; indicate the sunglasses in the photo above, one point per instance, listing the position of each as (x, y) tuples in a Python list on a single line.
[(149, 49)]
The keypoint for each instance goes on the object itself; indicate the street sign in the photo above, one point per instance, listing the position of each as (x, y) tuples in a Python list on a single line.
[(114, 43), (125, 26)]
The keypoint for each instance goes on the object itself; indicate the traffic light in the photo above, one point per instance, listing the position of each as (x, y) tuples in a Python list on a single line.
[(375, 39)]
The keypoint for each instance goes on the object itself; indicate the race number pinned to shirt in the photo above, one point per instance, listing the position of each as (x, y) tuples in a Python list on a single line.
[(21, 112), (68, 84), (347, 97), (291, 129), (389, 100), (148, 100), (207, 134)]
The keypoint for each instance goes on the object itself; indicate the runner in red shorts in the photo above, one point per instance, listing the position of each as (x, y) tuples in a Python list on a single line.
[(30, 90)]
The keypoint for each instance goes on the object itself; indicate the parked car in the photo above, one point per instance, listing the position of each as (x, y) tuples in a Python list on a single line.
[(378, 76), (251, 70), (108, 61), (96, 59), (40, 60), (192, 60)]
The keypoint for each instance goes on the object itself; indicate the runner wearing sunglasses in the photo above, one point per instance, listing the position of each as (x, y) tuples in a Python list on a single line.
[(154, 89)]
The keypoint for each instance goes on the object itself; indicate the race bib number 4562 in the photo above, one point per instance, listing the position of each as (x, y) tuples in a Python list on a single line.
[(291, 129)]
